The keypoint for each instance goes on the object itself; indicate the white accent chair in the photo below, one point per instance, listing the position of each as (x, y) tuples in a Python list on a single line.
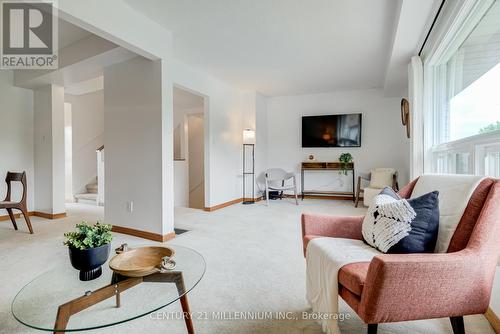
[(379, 178), (276, 180)]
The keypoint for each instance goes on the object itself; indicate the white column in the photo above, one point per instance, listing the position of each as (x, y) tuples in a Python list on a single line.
[(49, 149), (139, 150), (167, 140)]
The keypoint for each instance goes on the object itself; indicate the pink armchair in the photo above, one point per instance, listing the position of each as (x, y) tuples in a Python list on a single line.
[(402, 287)]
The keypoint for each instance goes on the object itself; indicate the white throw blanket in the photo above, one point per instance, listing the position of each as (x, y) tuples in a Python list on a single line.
[(325, 257), (454, 194), (387, 221)]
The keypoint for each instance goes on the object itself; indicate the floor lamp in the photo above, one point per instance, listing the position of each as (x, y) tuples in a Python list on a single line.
[(248, 143)]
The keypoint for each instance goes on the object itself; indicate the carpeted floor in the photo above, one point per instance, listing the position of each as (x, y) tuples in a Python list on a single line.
[(254, 263)]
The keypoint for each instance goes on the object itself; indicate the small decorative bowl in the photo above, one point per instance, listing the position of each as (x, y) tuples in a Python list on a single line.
[(143, 261)]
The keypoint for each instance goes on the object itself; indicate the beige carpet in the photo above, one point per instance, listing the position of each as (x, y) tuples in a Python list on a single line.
[(254, 263)]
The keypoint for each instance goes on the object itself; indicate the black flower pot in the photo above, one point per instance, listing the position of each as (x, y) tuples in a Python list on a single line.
[(89, 261)]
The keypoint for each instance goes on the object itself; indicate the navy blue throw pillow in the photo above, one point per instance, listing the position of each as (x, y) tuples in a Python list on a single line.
[(424, 228)]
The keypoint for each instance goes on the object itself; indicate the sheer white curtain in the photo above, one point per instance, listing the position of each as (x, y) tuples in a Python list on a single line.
[(415, 92)]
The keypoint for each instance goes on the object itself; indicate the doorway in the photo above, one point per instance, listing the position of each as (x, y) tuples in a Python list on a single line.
[(196, 164), (189, 149)]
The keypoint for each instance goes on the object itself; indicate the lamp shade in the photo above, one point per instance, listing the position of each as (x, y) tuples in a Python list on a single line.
[(248, 136)]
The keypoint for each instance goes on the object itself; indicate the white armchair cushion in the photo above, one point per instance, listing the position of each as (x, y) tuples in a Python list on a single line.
[(369, 194), (455, 191), (381, 177)]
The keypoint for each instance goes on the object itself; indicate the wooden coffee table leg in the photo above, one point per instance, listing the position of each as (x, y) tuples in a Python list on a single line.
[(187, 314), (179, 282), (63, 314), (176, 277), (65, 311), (119, 284)]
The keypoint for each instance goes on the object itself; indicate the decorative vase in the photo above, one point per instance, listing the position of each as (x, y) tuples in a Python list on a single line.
[(89, 261)]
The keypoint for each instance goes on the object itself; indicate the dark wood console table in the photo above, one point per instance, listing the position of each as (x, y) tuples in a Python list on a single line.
[(322, 166)]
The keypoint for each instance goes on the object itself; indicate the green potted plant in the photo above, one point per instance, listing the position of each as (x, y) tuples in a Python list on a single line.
[(89, 248), (345, 159)]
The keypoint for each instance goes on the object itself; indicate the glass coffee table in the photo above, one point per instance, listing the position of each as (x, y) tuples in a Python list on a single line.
[(57, 301)]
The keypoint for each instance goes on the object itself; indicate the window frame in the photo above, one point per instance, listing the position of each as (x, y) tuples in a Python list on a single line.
[(462, 20)]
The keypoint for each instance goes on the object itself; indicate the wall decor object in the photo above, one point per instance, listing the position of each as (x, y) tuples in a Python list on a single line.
[(342, 130), (405, 115), (248, 144)]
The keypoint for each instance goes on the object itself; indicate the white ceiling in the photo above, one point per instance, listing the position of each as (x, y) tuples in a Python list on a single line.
[(69, 33), (283, 47), (85, 87), (414, 21)]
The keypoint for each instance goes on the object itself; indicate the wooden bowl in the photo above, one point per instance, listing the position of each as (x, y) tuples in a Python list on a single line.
[(139, 262)]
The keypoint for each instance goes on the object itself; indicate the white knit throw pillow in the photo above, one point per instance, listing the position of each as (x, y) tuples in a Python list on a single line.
[(387, 221)]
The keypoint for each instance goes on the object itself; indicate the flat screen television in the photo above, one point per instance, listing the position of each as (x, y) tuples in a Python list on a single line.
[(331, 131)]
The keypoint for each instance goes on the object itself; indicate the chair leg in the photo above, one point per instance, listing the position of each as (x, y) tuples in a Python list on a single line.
[(372, 328), (27, 218), (12, 218), (457, 323), (295, 193), (358, 191)]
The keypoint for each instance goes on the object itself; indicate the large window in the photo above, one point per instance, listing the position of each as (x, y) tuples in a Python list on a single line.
[(463, 120)]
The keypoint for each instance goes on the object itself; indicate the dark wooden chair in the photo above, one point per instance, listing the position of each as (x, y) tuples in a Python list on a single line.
[(9, 205)]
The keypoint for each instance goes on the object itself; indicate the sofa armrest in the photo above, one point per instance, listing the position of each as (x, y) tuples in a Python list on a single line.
[(314, 226), (402, 287)]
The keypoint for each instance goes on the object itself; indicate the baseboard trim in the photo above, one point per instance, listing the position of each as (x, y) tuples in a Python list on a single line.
[(143, 234), (223, 205), (35, 214), (239, 200), (332, 197), (493, 320), (16, 215), (48, 215), (249, 199)]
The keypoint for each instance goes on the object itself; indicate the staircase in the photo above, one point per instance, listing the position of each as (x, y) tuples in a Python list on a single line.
[(90, 197)]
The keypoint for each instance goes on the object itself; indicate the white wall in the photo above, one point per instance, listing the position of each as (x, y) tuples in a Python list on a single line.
[(16, 136), (134, 146), (181, 183), (383, 141), (261, 141), (88, 135)]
